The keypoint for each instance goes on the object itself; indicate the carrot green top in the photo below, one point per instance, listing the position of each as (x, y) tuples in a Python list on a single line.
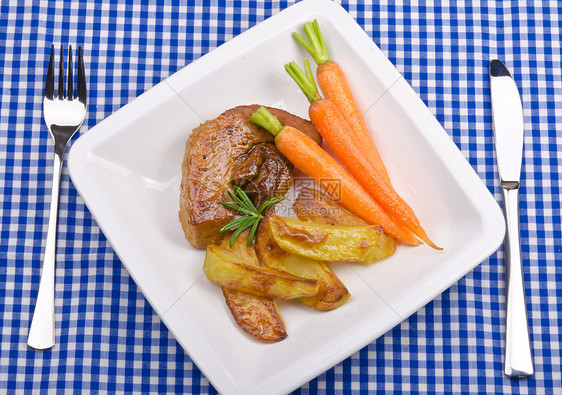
[(316, 47), (262, 117), (304, 81)]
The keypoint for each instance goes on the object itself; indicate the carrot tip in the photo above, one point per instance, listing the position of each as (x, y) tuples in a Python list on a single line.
[(433, 245), (420, 232)]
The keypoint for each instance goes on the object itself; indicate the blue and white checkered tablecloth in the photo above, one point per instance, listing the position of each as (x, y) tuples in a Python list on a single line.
[(108, 337)]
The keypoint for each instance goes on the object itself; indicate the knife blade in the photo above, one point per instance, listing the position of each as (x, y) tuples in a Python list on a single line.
[(508, 124)]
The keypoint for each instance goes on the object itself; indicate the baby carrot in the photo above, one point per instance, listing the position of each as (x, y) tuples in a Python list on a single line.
[(335, 130), (334, 86), (311, 159)]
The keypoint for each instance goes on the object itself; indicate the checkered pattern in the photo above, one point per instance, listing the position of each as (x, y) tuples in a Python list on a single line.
[(110, 339)]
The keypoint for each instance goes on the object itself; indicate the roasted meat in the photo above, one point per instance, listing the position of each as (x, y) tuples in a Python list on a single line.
[(262, 173), (231, 150)]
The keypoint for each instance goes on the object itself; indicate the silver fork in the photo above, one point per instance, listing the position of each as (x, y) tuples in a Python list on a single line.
[(63, 117)]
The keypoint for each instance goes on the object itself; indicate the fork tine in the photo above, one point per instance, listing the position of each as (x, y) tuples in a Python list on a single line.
[(50, 81), (61, 75), (70, 77), (81, 77)]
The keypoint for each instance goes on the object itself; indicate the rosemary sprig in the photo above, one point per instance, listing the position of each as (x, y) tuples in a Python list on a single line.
[(244, 205)]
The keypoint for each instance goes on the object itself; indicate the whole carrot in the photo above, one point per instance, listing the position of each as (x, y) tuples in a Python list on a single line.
[(335, 130), (310, 158), (334, 86)]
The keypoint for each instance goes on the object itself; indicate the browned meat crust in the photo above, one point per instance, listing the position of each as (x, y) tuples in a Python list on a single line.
[(231, 150)]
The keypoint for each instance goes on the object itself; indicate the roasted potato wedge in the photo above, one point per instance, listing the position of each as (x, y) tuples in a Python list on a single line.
[(258, 316), (313, 205), (324, 242), (224, 268), (240, 248), (332, 293)]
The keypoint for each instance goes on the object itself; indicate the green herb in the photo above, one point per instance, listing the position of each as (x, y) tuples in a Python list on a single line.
[(244, 205)]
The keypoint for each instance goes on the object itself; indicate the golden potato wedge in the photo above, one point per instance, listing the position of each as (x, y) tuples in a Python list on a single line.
[(331, 242), (313, 205), (225, 269), (240, 248), (258, 316), (332, 293)]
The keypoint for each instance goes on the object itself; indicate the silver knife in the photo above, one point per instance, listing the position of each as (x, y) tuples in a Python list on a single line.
[(507, 114)]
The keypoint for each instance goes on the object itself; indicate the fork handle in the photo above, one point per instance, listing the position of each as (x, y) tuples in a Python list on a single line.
[(518, 358), (42, 331)]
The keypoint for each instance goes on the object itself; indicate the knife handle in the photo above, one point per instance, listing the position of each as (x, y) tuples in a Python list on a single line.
[(518, 359)]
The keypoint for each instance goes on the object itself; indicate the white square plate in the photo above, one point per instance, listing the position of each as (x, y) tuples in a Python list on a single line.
[(127, 169)]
